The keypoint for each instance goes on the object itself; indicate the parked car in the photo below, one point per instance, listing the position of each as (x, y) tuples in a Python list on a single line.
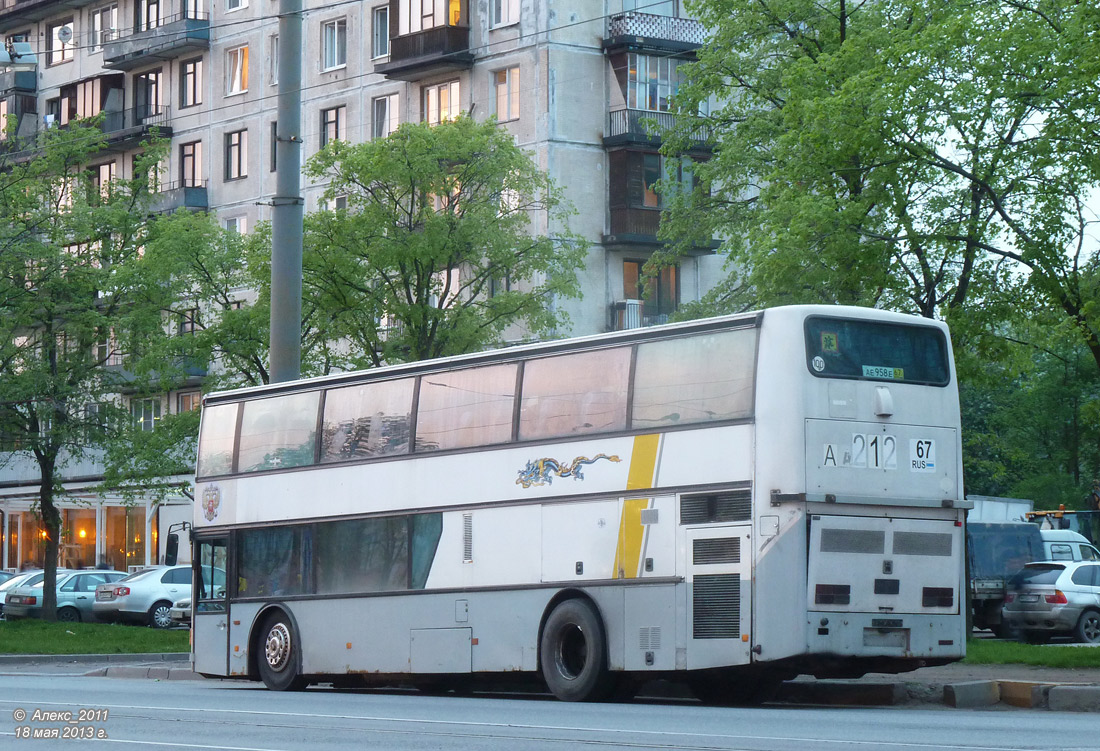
[(1055, 597), (23, 577), (145, 596), (1067, 545), (75, 595), (181, 611), (5, 575)]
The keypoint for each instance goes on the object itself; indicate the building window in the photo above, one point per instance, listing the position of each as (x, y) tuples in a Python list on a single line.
[(236, 225), (148, 14), (188, 322), (188, 401), (147, 95), (236, 155), (659, 294), (191, 82), (274, 145), (146, 413), (338, 203), (334, 43), (421, 15), (440, 103), (506, 84), (380, 30), (334, 125), (235, 4), (104, 22), (102, 174), (384, 116), (59, 42), (651, 82), (236, 70), (273, 60), (504, 12), (191, 164)]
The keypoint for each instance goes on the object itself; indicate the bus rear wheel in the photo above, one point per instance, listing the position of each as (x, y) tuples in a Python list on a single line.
[(280, 654), (573, 653)]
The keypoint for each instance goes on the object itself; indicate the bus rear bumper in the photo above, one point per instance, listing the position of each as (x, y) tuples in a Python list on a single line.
[(906, 641)]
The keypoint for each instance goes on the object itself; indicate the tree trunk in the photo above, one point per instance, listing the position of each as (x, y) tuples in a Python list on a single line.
[(51, 520)]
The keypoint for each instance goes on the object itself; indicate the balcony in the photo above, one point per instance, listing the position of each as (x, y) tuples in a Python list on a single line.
[(29, 11), (126, 129), (18, 82), (647, 31), (183, 194), (175, 36), (635, 228), (628, 127), (633, 314), (425, 53)]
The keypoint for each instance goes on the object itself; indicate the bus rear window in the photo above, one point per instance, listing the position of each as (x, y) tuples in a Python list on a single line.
[(845, 348)]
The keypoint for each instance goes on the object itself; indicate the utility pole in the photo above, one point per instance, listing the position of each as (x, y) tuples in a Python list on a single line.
[(287, 213)]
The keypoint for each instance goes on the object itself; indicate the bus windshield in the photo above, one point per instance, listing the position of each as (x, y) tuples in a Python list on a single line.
[(865, 350)]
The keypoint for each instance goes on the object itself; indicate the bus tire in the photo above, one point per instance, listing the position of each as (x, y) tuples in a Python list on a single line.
[(280, 654), (573, 653)]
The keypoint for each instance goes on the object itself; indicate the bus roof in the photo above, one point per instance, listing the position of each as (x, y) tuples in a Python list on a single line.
[(702, 325)]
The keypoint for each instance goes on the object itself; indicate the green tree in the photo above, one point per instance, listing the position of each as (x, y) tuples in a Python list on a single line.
[(80, 307), (436, 253), (884, 153)]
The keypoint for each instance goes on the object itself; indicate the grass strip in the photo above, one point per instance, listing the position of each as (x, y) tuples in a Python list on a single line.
[(997, 652), (35, 637)]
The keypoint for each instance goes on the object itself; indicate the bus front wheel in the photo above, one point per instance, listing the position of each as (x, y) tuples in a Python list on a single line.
[(280, 654), (573, 653)]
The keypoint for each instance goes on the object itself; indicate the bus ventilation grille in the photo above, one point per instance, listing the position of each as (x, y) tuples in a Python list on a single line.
[(716, 607), (732, 506), (649, 638), (716, 550)]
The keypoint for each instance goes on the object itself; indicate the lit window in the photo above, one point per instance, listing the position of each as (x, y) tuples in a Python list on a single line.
[(188, 401), (506, 84), (441, 103), (334, 43), (236, 70)]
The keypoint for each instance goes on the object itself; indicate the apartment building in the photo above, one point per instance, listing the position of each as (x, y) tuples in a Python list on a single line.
[(573, 82)]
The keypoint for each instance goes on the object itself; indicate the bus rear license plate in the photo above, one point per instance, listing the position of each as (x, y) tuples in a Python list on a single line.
[(886, 637)]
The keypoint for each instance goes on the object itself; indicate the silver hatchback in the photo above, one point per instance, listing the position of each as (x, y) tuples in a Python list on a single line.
[(145, 596), (1048, 598)]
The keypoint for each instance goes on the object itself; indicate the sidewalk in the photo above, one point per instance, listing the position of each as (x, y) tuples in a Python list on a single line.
[(958, 685)]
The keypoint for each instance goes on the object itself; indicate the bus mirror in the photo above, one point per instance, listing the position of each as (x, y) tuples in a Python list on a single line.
[(171, 549)]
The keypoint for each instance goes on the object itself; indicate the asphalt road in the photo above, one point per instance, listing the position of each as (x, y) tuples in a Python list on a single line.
[(233, 716)]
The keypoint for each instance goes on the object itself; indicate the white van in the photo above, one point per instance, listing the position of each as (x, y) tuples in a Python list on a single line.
[(1067, 545)]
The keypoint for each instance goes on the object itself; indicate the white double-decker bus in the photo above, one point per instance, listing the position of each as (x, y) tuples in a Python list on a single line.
[(731, 501)]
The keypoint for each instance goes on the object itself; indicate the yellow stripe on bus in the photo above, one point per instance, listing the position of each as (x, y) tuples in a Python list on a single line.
[(643, 463)]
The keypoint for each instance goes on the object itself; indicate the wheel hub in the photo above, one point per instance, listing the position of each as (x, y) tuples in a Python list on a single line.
[(277, 648)]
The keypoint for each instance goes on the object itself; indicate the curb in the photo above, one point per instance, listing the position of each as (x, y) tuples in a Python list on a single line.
[(155, 673), (69, 659)]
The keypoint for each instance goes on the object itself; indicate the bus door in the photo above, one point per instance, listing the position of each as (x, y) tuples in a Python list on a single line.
[(210, 611), (719, 576)]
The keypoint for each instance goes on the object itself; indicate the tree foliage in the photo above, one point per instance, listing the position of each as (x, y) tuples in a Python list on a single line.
[(82, 306), (444, 245), (937, 158)]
